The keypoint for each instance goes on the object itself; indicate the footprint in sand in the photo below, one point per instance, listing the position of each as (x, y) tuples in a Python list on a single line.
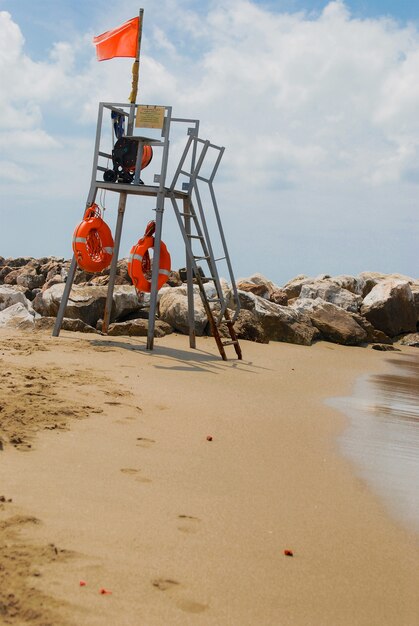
[(164, 583), (189, 524), (134, 472), (125, 420), (144, 442), (117, 393), (169, 585)]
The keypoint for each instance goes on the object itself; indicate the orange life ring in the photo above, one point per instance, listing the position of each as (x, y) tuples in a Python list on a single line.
[(139, 261), (146, 159), (93, 242)]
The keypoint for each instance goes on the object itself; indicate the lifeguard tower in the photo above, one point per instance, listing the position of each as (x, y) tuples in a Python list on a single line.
[(192, 179)]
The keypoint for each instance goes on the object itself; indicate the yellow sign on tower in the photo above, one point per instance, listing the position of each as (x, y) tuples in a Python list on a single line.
[(149, 116)]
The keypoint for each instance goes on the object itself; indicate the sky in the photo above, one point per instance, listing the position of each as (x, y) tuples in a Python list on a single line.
[(316, 104)]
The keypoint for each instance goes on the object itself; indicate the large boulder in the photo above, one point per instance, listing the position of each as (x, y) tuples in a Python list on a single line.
[(279, 323), (16, 316), (371, 279), (331, 292), (247, 326), (10, 296), (390, 307), (87, 303), (334, 323), (173, 309)]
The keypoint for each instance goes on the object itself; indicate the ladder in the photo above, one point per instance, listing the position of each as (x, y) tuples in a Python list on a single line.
[(194, 228)]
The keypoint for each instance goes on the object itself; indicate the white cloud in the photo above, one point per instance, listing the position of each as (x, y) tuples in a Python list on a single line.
[(318, 113)]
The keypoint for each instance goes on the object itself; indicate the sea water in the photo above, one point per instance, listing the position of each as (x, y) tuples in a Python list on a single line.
[(382, 438)]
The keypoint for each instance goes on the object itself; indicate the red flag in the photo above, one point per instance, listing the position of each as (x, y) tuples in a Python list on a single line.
[(122, 41)]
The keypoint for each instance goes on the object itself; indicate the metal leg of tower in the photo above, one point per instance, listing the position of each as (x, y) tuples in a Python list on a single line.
[(114, 264), (65, 297), (155, 271), (189, 278)]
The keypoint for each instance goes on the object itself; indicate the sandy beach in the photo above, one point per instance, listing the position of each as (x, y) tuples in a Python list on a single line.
[(162, 489)]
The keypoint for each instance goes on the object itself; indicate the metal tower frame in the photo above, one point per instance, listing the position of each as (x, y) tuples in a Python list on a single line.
[(192, 223)]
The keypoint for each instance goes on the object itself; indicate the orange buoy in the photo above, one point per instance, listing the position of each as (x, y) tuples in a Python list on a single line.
[(93, 242), (139, 264)]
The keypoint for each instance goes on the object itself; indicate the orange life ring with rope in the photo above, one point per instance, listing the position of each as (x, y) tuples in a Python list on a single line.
[(93, 242), (139, 266)]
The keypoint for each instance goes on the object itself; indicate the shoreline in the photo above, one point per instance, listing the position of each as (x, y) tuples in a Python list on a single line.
[(185, 530), (382, 437)]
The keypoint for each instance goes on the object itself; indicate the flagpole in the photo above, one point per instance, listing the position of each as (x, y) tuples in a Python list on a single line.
[(135, 74), (123, 194)]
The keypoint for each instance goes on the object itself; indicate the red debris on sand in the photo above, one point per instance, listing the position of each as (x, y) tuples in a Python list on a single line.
[(209, 438), (288, 553), (104, 591), (83, 583)]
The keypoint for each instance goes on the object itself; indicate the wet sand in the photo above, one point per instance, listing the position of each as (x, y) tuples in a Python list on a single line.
[(114, 482), (383, 436)]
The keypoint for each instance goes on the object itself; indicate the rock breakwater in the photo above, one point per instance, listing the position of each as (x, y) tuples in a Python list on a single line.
[(370, 308)]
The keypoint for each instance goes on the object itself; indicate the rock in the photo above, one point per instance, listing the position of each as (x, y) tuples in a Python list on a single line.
[(174, 279), (293, 287), (371, 279), (263, 287), (46, 323), (10, 296), (258, 290), (260, 279), (278, 296), (390, 307), (99, 281), (173, 309), (384, 347), (415, 291), (11, 277), (279, 323), (411, 339), (56, 279), (331, 292), (373, 335), (19, 261), (338, 325), (30, 279), (139, 328), (247, 326), (77, 326), (86, 303), (354, 284), (334, 323), (16, 316), (31, 295), (4, 271)]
